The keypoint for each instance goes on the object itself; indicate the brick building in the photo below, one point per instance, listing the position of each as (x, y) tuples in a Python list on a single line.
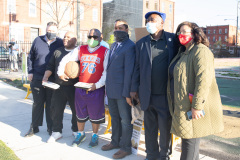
[(27, 19), (19, 20), (225, 35), (165, 6)]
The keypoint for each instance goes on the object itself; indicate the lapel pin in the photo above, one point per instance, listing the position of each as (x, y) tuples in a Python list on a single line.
[(169, 39)]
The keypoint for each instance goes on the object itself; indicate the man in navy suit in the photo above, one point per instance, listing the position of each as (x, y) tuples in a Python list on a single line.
[(118, 85), (154, 53)]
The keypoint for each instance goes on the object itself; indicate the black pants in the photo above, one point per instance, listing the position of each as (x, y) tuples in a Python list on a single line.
[(41, 96), (157, 116), (190, 149), (59, 100)]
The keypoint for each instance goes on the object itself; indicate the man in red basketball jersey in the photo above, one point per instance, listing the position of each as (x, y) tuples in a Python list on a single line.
[(89, 105)]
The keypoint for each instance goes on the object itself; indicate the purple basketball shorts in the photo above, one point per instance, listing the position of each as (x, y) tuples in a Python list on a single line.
[(90, 106)]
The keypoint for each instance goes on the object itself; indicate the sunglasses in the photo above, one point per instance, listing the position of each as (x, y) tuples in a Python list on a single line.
[(90, 37)]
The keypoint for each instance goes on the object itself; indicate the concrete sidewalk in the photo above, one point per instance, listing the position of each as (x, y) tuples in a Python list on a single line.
[(15, 119)]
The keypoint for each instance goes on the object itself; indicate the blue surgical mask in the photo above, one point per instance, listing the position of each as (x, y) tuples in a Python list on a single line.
[(151, 27)]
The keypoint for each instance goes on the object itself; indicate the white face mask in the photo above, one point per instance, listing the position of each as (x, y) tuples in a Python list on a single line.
[(151, 27)]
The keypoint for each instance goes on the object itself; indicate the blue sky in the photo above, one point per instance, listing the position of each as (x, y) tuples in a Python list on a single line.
[(206, 12)]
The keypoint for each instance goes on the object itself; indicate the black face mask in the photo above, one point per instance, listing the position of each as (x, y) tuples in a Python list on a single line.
[(51, 36), (120, 35)]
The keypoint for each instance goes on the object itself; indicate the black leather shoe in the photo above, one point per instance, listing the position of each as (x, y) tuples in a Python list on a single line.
[(32, 131), (49, 131)]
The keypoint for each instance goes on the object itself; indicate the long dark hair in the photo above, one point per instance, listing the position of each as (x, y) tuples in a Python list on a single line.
[(199, 35)]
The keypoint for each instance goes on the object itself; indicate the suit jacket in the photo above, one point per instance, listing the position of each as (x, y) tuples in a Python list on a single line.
[(120, 69), (141, 80)]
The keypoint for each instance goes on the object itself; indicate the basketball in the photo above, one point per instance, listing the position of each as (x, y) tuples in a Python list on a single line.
[(72, 69)]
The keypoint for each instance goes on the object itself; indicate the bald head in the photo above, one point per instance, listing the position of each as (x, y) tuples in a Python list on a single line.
[(70, 40)]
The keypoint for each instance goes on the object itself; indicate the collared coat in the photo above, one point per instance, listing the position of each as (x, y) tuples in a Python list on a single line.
[(141, 79), (194, 73)]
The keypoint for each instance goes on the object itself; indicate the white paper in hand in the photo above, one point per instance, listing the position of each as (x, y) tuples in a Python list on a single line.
[(51, 85), (83, 85)]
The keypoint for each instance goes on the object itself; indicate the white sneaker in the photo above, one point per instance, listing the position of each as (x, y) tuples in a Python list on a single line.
[(54, 137), (75, 134)]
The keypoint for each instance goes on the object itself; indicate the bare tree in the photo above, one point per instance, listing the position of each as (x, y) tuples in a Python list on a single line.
[(57, 9)]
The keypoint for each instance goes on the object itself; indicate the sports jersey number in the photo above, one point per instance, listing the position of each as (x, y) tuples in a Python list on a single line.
[(90, 66)]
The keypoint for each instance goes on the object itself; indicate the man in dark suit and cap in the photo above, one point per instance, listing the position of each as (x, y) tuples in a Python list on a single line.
[(154, 53)]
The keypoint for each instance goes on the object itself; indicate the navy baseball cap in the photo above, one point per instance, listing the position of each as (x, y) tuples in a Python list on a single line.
[(163, 15)]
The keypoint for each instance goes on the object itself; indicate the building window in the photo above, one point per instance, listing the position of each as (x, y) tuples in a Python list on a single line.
[(220, 39), (32, 8), (209, 31), (156, 6), (225, 39), (66, 11), (226, 30), (81, 12), (170, 8), (95, 15), (81, 37), (11, 6), (85, 37), (49, 11), (220, 31), (170, 25), (147, 4), (214, 31), (213, 39), (163, 6), (208, 38)]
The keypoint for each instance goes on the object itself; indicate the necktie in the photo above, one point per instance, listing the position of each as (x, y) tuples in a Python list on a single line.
[(115, 48)]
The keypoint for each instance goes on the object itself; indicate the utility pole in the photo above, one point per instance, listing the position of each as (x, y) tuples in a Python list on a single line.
[(78, 21), (57, 13), (237, 31)]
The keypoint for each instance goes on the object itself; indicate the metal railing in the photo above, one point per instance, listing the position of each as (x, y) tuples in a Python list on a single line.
[(5, 52)]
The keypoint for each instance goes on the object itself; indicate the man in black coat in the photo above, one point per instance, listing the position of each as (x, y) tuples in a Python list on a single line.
[(154, 53), (41, 51)]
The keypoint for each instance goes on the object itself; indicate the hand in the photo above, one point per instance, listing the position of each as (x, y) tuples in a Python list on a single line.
[(45, 79), (134, 95), (30, 77), (93, 87), (197, 114), (129, 101), (64, 77)]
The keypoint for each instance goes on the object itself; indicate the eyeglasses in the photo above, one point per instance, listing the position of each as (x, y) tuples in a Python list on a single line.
[(90, 37), (183, 32)]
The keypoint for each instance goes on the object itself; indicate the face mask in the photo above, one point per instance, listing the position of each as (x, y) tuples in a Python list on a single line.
[(51, 36), (92, 43), (120, 35), (151, 27), (184, 39)]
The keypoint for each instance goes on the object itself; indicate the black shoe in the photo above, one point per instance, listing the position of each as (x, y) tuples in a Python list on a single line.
[(32, 131), (49, 131)]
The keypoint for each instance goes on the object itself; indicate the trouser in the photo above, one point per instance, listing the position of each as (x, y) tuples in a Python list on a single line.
[(157, 116), (41, 96), (190, 149), (122, 128), (60, 98), (14, 62)]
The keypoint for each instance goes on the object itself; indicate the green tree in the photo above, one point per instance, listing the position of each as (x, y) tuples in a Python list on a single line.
[(111, 40)]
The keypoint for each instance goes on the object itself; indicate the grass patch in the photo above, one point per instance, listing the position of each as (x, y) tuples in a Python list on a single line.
[(231, 74), (15, 82), (6, 153)]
